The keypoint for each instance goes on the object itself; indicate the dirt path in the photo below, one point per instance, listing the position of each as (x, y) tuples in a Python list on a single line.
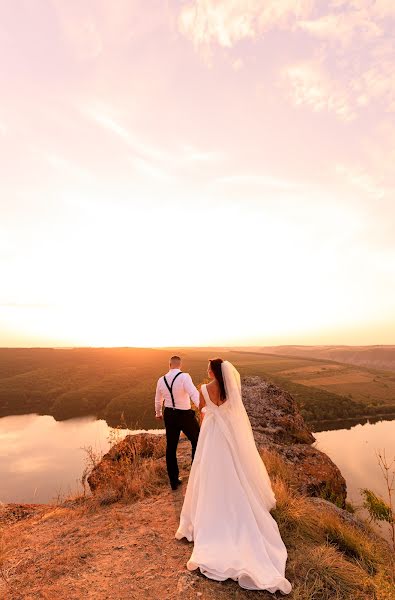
[(116, 552)]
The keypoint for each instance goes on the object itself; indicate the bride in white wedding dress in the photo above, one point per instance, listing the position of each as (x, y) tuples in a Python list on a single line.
[(229, 494)]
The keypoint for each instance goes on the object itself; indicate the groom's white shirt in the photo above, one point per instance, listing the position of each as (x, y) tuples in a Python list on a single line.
[(183, 391)]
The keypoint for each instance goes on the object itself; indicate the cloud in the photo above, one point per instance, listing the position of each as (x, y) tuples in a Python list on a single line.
[(376, 83), (154, 161), (226, 22), (356, 65), (308, 84), (192, 154), (362, 179), (105, 119), (342, 27), (354, 37), (380, 9)]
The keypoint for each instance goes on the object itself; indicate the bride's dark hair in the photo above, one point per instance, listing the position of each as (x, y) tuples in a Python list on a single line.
[(215, 366)]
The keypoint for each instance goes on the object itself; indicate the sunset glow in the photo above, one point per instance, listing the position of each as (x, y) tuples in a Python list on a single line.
[(202, 172)]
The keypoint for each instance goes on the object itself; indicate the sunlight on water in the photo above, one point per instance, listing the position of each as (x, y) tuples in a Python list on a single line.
[(354, 452), (41, 459)]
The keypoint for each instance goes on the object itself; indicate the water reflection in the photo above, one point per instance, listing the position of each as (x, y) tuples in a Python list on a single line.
[(354, 452), (347, 423), (41, 458)]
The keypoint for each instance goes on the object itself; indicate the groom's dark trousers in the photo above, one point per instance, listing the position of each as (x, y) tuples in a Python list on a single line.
[(177, 420)]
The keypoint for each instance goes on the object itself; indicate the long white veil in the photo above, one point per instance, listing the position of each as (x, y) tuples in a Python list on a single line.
[(253, 471)]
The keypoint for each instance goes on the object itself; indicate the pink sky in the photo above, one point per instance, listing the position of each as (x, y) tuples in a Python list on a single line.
[(197, 172)]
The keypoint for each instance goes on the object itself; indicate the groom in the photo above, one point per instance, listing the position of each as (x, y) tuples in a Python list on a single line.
[(176, 389)]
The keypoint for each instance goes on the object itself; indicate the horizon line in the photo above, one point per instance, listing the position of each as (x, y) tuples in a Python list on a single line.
[(237, 346)]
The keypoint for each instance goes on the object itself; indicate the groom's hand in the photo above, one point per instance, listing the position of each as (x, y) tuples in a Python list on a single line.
[(158, 417)]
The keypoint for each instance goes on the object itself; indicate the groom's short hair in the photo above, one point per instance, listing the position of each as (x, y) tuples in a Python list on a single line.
[(175, 359)]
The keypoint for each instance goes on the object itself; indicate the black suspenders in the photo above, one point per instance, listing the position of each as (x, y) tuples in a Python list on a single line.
[(170, 388)]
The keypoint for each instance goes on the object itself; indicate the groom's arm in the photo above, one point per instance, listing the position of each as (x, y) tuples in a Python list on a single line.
[(158, 401), (191, 390)]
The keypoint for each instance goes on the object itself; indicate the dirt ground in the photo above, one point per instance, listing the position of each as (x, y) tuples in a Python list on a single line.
[(120, 551)]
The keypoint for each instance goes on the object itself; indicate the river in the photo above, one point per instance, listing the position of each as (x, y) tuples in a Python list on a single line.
[(41, 460)]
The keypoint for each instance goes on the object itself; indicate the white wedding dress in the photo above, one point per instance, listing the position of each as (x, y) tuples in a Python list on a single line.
[(228, 499)]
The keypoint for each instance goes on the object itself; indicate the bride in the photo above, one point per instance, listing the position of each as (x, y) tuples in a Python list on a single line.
[(229, 495)]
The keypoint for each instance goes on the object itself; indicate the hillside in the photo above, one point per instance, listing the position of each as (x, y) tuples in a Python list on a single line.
[(118, 384), (119, 542), (373, 357)]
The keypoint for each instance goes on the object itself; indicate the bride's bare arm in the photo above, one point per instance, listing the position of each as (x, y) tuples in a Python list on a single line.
[(202, 403)]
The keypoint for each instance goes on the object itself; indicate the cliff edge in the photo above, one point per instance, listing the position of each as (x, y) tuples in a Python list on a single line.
[(278, 427), (118, 542)]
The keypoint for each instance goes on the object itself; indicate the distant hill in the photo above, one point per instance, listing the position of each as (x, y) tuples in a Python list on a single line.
[(376, 357)]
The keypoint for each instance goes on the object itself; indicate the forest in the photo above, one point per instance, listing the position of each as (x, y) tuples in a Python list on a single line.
[(118, 384)]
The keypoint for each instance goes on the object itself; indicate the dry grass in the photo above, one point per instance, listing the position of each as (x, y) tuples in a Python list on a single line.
[(277, 468), (330, 557), (135, 480), (6, 548), (137, 472)]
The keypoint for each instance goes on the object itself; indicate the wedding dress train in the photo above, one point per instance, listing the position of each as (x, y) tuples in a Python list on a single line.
[(228, 499)]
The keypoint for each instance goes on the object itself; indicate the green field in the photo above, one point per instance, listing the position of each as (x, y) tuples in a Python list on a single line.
[(118, 384)]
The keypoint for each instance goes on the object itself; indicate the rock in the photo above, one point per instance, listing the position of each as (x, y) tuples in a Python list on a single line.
[(185, 581), (144, 445), (10, 513), (278, 425), (273, 413), (345, 516)]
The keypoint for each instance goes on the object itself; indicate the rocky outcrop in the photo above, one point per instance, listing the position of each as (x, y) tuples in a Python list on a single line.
[(113, 464), (277, 425)]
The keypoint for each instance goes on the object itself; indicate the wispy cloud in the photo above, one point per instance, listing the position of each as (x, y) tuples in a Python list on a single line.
[(362, 179), (340, 81), (342, 27), (154, 159), (358, 75), (308, 84), (191, 154), (226, 22)]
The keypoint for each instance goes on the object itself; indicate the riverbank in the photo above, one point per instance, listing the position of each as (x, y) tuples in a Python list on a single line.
[(329, 424)]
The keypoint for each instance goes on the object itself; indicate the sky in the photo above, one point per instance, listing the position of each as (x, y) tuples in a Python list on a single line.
[(198, 172)]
